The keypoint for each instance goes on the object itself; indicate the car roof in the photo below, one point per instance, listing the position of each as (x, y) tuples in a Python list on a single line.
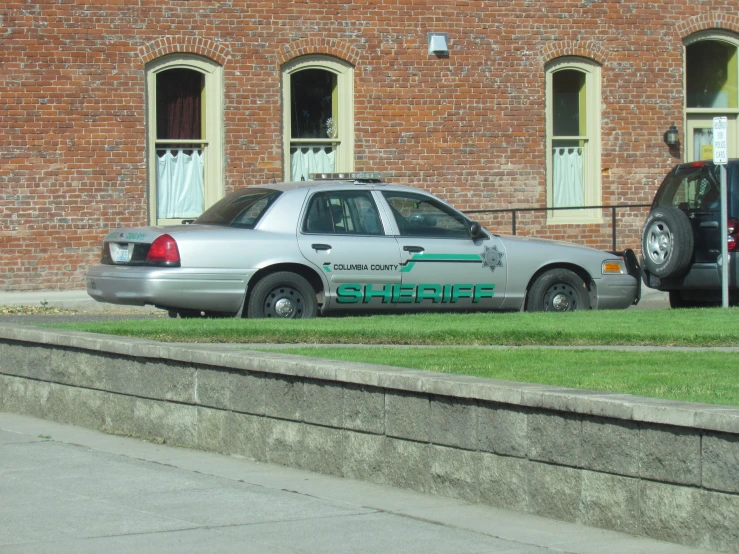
[(331, 184)]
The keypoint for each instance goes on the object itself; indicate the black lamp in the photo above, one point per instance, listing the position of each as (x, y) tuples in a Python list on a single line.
[(671, 136)]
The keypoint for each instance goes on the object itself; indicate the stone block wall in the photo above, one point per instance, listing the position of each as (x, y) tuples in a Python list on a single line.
[(666, 470)]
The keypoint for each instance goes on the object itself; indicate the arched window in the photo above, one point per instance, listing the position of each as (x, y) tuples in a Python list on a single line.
[(318, 115), (711, 90), (573, 139), (184, 96)]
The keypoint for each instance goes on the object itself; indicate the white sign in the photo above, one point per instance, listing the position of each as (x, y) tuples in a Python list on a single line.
[(719, 140)]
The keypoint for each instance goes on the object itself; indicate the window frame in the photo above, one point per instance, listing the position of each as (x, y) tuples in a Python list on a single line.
[(349, 221), (701, 117), (212, 118), (344, 71), (592, 187)]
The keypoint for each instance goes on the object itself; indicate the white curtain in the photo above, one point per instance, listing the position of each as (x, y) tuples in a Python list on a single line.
[(567, 177), (180, 183), (311, 159)]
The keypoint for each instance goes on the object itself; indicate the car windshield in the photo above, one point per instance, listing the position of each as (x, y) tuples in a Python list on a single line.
[(242, 209)]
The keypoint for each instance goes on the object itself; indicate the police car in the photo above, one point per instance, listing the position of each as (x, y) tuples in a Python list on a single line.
[(349, 243)]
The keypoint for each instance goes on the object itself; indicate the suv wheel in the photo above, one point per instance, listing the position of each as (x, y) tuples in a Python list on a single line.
[(667, 242)]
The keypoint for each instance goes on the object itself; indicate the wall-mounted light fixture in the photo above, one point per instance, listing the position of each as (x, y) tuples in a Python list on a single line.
[(438, 44), (671, 136)]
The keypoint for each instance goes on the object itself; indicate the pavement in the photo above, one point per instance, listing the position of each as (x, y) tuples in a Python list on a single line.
[(81, 301), (66, 489)]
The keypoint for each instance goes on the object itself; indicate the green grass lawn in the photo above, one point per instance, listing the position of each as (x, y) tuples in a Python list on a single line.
[(707, 327), (711, 377)]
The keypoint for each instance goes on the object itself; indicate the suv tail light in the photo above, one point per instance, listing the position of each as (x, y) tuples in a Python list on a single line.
[(164, 251), (732, 227)]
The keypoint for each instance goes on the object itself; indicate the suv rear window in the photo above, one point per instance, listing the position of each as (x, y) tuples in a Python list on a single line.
[(691, 188), (242, 209)]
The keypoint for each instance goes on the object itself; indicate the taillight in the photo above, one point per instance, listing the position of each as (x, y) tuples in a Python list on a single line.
[(163, 251), (732, 227)]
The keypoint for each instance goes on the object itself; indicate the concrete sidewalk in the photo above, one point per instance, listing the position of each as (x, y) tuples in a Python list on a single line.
[(67, 299), (81, 301), (68, 489)]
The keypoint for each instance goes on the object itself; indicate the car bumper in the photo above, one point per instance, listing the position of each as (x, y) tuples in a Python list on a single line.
[(182, 288), (702, 276), (617, 292)]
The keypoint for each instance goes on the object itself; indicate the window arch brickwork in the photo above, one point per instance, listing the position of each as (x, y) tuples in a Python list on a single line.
[(584, 49), (330, 47), (704, 22), (219, 53)]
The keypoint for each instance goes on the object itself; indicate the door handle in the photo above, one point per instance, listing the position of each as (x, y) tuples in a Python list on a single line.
[(319, 246), (413, 248), (709, 224)]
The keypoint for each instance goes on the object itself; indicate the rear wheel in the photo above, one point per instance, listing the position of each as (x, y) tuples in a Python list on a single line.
[(667, 242), (558, 290), (282, 295)]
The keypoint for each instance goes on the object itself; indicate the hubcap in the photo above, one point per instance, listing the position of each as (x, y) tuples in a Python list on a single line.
[(561, 297), (658, 242), (285, 302), (560, 303), (284, 307)]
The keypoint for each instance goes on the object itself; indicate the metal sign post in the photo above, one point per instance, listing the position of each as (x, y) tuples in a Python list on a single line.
[(720, 155)]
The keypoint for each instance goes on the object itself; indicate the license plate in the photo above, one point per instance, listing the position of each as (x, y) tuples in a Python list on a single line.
[(121, 253)]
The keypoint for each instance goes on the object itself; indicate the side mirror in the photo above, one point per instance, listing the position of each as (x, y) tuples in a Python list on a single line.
[(476, 231)]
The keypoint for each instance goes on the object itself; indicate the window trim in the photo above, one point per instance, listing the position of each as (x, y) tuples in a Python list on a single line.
[(692, 115), (344, 72), (592, 187), (212, 103)]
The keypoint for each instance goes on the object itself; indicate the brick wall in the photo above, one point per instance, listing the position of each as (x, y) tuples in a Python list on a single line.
[(469, 127)]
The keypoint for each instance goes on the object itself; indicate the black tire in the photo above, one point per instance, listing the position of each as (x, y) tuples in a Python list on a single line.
[(282, 295), (558, 290), (667, 242)]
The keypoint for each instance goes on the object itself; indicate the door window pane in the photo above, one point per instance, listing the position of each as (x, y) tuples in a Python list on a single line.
[(343, 212), (420, 216)]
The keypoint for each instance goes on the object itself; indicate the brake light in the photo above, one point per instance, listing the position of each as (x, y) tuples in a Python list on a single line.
[(163, 251), (732, 227)]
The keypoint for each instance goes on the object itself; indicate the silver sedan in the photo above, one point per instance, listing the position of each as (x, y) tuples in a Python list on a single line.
[(296, 250)]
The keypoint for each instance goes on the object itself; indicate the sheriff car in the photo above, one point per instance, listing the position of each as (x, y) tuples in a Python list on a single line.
[(349, 242)]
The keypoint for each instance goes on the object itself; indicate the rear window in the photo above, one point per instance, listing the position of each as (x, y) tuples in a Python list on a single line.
[(243, 208), (691, 188)]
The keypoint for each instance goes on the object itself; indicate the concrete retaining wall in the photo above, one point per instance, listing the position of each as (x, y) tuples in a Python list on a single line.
[(662, 469)]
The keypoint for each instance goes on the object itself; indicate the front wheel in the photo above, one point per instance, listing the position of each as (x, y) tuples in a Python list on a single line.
[(558, 290), (282, 295)]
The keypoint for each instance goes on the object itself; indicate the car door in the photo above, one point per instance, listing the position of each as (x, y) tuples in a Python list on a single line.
[(343, 235), (443, 267)]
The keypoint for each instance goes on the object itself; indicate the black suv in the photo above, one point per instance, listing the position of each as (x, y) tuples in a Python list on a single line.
[(681, 240)]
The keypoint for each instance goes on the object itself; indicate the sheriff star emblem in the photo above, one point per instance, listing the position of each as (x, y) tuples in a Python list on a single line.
[(492, 258)]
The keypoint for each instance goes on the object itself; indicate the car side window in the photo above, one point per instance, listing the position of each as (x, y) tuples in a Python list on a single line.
[(421, 216), (344, 213)]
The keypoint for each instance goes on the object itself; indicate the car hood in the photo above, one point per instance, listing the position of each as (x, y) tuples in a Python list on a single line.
[(511, 241)]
